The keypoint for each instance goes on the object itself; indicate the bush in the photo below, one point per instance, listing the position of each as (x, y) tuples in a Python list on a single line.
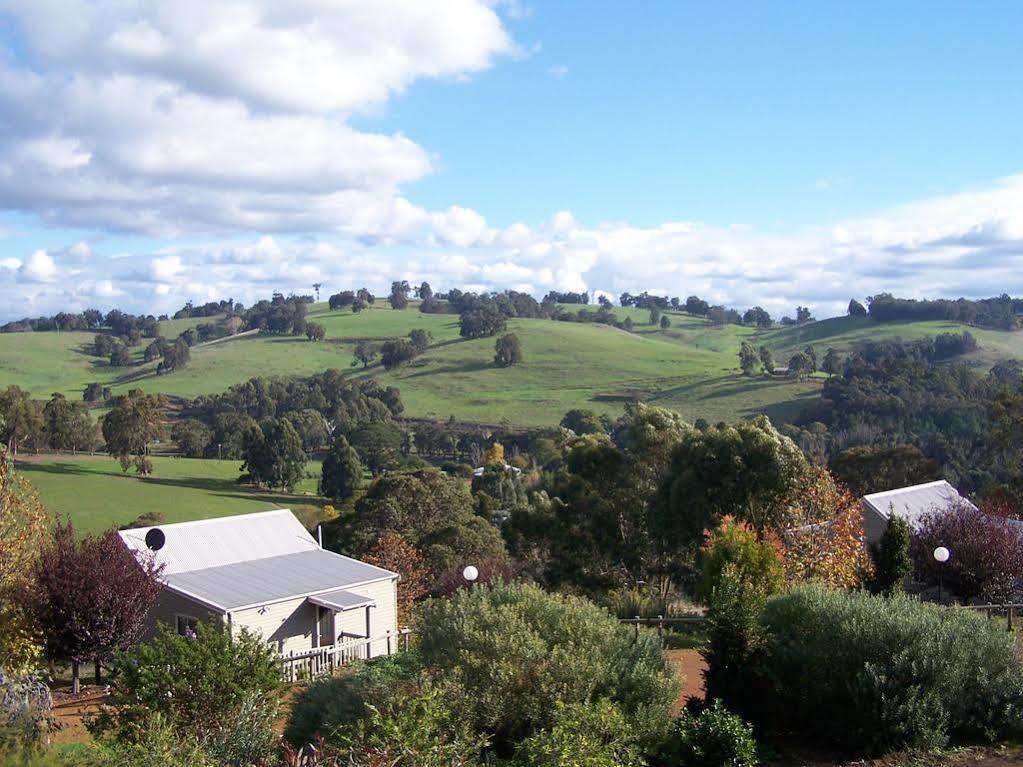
[(157, 745), (735, 545), (421, 726), (878, 673), (890, 556), (517, 652), (25, 706), (715, 738), (331, 702), (583, 735), (219, 690)]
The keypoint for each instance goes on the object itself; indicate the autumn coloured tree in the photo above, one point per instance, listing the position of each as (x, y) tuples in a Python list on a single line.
[(22, 529), (735, 547), (827, 542), (91, 596), (392, 552)]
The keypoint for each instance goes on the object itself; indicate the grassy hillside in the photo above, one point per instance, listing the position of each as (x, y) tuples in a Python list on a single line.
[(691, 366), (82, 488)]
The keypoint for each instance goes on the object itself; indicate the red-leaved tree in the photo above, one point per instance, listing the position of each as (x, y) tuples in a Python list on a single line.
[(91, 596), (392, 552), (986, 551)]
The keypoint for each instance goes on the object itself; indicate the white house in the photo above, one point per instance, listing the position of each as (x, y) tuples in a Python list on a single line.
[(266, 573), (909, 503)]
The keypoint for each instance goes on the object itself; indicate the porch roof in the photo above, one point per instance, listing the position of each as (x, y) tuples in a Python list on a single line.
[(342, 600)]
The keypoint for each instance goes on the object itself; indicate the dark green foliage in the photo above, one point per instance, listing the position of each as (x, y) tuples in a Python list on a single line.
[(399, 294), (339, 301), (890, 556), (273, 454), (397, 352), (497, 491), (800, 366), (766, 359), (330, 702), (221, 691), (872, 673), (433, 512), (1001, 312), (486, 320), (365, 352), (420, 339), (715, 738), (378, 445), (120, 356), (747, 358), (665, 322), (192, 437), (507, 351), (856, 309), (66, 425), (342, 471), (517, 652), (583, 421), (314, 331), (876, 468)]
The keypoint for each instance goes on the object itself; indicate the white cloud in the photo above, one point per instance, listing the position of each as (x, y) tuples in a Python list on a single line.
[(38, 267)]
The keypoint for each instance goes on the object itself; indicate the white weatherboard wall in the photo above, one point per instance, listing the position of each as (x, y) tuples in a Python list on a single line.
[(289, 625), (169, 605)]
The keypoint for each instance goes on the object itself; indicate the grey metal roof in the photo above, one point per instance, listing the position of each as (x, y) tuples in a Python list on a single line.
[(342, 600), (220, 541), (272, 579), (913, 502)]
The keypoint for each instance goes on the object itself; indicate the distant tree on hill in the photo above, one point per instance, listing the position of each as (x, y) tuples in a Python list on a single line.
[(192, 437), (655, 315), (342, 471), (748, 358), (800, 366), (811, 354), (757, 316), (424, 292), (766, 359), (665, 322), (399, 294), (134, 420), (696, 305), (482, 322), (155, 349), (507, 351), (364, 295), (94, 392), (627, 324), (120, 356), (803, 315), (378, 445), (175, 357), (359, 305), (92, 596), (365, 352), (874, 468), (420, 339), (66, 424), (832, 364), (856, 309), (397, 352), (339, 301), (273, 454), (583, 421), (314, 331), (21, 420)]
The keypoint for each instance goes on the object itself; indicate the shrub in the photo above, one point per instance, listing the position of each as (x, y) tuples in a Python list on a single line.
[(715, 738), (877, 673), (735, 545), (157, 745), (420, 726), (987, 551), (25, 706), (517, 652), (583, 735), (331, 702), (214, 688)]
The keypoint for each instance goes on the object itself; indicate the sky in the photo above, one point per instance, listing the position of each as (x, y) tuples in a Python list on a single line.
[(751, 153)]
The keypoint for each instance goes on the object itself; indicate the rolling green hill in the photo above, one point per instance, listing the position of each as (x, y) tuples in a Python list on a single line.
[(691, 366)]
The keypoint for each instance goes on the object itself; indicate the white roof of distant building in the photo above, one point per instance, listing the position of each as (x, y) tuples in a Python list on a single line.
[(913, 502), (479, 470), (229, 563)]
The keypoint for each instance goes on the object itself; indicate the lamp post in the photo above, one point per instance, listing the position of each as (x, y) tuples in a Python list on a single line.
[(470, 573), (941, 555)]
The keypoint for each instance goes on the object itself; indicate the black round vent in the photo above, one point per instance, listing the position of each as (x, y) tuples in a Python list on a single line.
[(155, 539)]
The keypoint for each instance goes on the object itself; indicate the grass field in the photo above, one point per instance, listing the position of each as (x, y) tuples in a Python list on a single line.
[(95, 494), (691, 367)]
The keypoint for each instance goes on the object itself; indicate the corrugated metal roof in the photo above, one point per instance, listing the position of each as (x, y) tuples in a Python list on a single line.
[(272, 579), (342, 600), (911, 503), (225, 540)]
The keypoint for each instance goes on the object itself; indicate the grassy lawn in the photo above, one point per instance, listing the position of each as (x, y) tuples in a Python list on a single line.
[(96, 494), (691, 367)]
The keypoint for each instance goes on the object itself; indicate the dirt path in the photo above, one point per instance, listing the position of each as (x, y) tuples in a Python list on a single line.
[(690, 664)]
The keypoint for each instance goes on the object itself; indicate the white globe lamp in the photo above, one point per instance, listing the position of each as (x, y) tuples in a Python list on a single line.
[(470, 573)]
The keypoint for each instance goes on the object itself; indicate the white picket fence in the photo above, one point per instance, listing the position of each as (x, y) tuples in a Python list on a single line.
[(298, 665)]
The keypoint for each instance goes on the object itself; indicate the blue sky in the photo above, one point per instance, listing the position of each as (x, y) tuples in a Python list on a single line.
[(767, 153)]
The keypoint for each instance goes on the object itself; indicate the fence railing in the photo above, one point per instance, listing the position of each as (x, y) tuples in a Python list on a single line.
[(1010, 611), (661, 622), (298, 665)]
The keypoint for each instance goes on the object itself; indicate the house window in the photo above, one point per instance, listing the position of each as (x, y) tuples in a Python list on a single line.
[(187, 625)]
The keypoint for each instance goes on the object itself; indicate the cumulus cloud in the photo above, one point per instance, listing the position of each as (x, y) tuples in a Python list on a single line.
[(969, 244), (226, 115)]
